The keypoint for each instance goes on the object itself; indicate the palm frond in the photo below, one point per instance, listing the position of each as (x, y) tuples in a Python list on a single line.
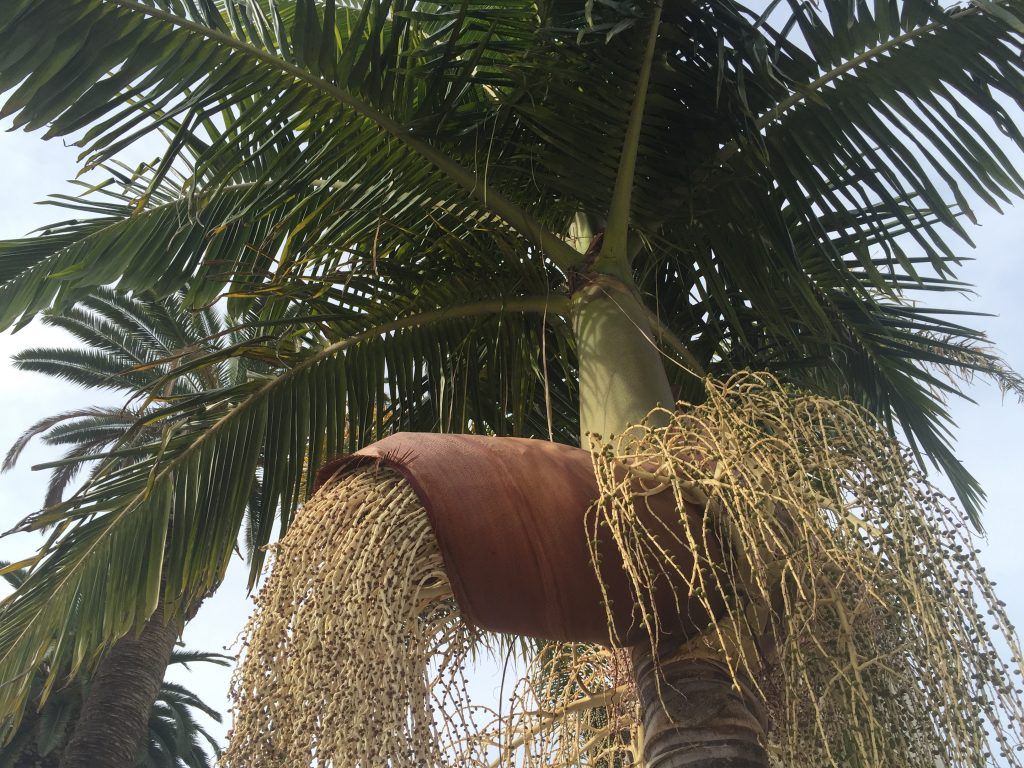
[(166, 522), (185, 657), (353, 155), (174, 695), (44, 425)]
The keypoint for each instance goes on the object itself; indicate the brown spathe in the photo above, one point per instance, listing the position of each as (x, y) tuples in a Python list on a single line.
[(511, 520)]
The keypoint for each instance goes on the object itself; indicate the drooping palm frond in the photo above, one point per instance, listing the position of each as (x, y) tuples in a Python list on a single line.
[(823, 213), (890, 349), (86, 432), (176, 737), (15, 577), (177, 484), (128, 342), (131, 343)]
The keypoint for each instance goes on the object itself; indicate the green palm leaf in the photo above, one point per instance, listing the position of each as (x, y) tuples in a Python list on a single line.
[(158, 55), (176, 508)]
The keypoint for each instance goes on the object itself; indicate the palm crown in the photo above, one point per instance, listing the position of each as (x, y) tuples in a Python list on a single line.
[(128, 344), (402, 196)]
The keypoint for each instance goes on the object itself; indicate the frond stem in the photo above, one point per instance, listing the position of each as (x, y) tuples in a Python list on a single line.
[(614, 249)]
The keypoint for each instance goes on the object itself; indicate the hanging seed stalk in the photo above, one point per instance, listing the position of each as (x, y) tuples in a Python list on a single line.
[(855, 601), (355, 643), (855, 607)]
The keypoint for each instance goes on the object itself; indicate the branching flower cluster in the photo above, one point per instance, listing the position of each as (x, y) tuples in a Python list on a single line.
[(845, 593), (855, 600)]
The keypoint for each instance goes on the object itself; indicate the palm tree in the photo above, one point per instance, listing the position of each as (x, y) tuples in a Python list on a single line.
[(174, 738), (524, 218), (128, 344)]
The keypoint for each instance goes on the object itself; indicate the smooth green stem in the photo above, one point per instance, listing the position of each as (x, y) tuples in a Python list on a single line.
[(622, 377)]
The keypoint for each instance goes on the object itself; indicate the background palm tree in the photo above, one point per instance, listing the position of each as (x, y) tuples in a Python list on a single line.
[(494, 218), (128, 344), (175, 738)]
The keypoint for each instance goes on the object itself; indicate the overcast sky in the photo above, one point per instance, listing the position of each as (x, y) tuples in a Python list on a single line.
[(990, 432)]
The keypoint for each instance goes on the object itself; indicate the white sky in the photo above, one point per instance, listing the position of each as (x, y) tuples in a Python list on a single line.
[(990, 433)]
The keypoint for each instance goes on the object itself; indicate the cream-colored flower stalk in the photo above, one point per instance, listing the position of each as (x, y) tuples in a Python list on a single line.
[(856, 603)]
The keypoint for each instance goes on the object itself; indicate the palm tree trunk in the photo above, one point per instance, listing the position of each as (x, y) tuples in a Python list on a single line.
[(695, 718), (113, 722)]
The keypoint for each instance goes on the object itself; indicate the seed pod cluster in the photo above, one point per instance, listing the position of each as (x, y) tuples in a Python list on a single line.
[(357, 654), (355, 643), (856, 603)]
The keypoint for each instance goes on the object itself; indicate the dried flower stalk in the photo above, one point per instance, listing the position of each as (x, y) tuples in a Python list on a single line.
[(855, 607), (856, 603)]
